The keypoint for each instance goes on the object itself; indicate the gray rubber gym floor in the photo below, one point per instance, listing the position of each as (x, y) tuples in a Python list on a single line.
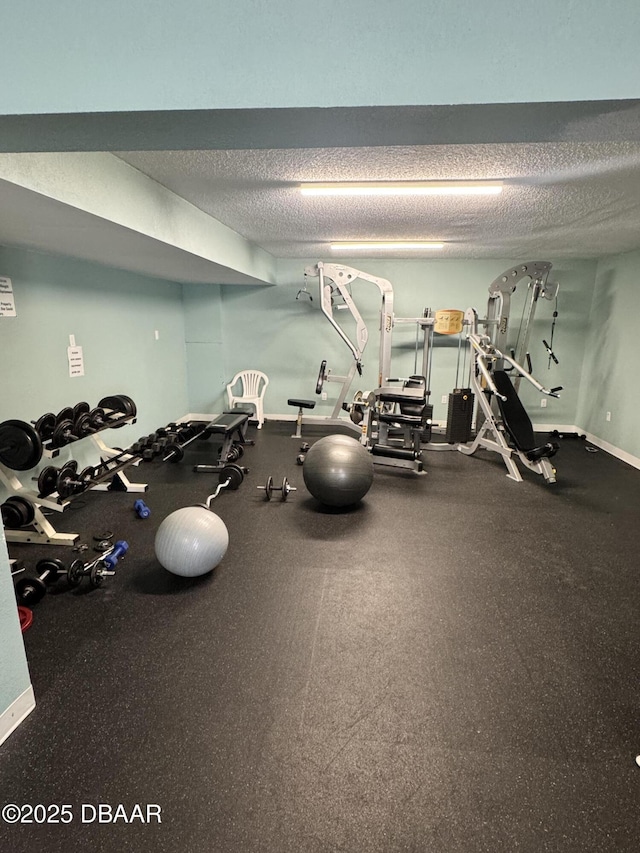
[(451, 666)]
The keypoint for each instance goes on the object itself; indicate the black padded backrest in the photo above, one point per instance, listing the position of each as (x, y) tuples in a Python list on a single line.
[(414, 408), (516, 420)]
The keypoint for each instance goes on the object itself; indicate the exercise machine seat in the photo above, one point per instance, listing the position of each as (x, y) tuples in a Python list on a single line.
[(518, 423), (252, 385)]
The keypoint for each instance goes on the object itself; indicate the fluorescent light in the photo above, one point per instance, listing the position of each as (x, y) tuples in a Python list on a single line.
[(383, 188), (387, 244)]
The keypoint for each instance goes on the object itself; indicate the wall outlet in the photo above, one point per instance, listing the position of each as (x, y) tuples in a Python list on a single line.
[(324, 395), (543, 403), (157, 334), (444, 399), (608, 416)]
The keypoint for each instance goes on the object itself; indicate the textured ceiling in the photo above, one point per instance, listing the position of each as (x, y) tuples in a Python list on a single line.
[(561, 199)]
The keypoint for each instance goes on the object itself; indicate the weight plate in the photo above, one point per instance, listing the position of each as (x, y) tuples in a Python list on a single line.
[(117, 406), (11, 516), (129, 404), (268, 489), (96, 577), (234, 474), (30, 590), (21, 512), (45, 425), (80, 409), (321, 377), (239, 449), (86, 476), (65, 414), (67, 478), (63, 433), (286, 488), (52, 567), (100, 537), (20, 445), (47, 480), (98, 417), (173, 453), (82, 425), (75, 573), (26, 618)]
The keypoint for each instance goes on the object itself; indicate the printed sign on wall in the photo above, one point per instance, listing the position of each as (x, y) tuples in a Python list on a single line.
[(76, 361), (7, 301)]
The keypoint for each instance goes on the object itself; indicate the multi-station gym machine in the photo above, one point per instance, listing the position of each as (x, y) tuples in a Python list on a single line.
[(394, 419)]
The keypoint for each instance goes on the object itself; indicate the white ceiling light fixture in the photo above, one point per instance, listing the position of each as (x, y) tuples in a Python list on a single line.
[(386, 245), (390, 188)]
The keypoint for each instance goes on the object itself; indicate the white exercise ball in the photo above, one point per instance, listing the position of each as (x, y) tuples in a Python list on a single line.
[(191, 541)]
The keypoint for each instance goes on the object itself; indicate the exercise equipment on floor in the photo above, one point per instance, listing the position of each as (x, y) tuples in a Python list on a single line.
[(285, 489), (490, 382), (191, 541), (232, 427), (338, 471), (398, 421), (304, 447), (97, 570), (301, 405), (141, 509), (26, 618), (336, 284), (31, 588)]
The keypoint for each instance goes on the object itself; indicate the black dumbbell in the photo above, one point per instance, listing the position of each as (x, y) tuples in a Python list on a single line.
[(64, 432), (30, 590), (285, 488), (45, 425), (69, 482), (100, 568)]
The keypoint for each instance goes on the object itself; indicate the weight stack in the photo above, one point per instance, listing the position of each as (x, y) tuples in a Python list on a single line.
[(459, 416)]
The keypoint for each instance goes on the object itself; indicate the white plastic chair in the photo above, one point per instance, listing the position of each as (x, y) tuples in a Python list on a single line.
[(253, 384)]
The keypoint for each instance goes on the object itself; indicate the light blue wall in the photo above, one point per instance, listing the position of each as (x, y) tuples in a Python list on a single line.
[(135, 55), (610, 373), (205, 347), (267, 328), (14, 674), (114, 316)]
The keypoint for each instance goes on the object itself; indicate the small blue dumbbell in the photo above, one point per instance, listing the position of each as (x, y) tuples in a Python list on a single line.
[(141, 509), (120, 549)]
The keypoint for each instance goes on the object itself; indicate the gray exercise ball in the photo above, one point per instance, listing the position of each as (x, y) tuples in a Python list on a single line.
[(191, 541), (338, 471)]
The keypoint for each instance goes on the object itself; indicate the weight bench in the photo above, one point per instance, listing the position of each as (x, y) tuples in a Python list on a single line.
[(518, 423), (301, 404), (232, 426)]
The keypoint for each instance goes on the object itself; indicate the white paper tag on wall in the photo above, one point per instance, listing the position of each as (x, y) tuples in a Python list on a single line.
[(7, 301), (76, 361)]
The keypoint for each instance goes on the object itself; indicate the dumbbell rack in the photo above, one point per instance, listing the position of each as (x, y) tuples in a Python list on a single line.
[(111, 477)]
